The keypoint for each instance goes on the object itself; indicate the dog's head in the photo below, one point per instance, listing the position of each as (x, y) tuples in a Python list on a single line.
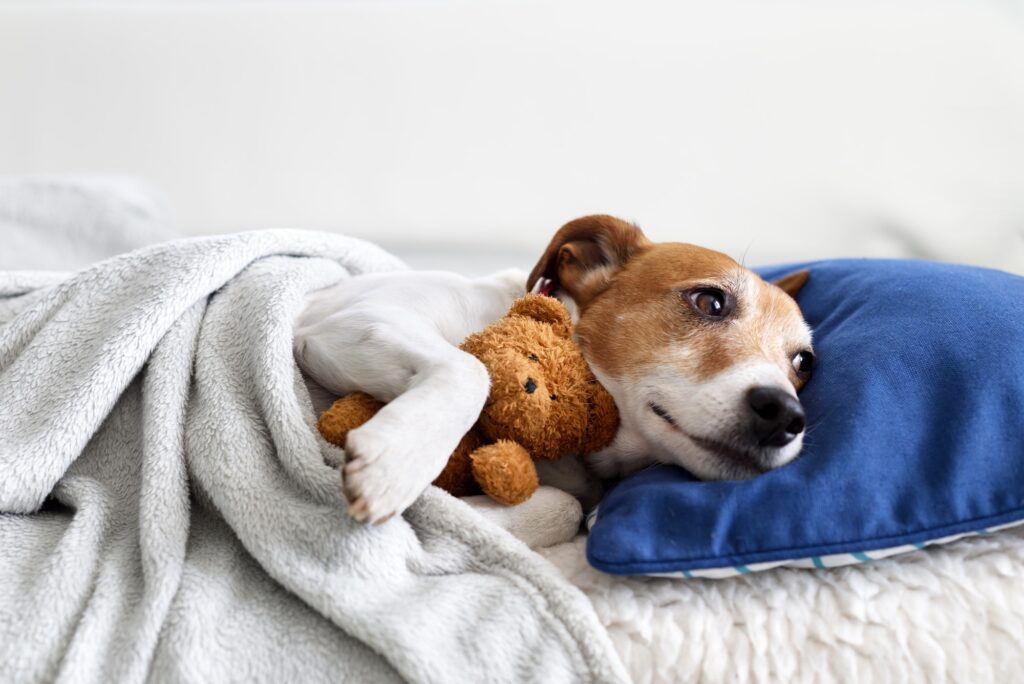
[(703, 357)]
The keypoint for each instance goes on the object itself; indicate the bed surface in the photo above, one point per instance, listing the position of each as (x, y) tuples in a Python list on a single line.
[(952, 613)]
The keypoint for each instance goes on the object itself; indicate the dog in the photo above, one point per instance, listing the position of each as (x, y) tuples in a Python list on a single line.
[(703, 358)]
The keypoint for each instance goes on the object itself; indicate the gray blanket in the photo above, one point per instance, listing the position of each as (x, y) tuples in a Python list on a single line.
[(167, 510)]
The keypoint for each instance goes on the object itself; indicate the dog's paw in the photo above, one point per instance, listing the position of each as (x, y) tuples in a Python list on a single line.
[(384, 476)]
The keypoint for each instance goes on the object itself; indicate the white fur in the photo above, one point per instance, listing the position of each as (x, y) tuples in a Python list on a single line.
[(710, 408), (395, 336), (549, 517)]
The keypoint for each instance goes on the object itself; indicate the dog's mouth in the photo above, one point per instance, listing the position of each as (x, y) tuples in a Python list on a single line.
[(741, 458)]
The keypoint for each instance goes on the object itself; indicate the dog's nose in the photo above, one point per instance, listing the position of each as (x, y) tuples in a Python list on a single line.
[(778, 416)]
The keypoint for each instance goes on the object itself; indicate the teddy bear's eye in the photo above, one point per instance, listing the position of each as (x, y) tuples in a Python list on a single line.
[(533, 357), (554, 397)]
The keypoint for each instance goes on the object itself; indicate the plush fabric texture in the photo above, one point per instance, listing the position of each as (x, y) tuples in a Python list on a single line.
[(168, 512), (915, 413), (951, 613)]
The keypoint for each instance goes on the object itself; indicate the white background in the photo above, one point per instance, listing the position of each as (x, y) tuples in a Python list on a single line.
[(465, 133)]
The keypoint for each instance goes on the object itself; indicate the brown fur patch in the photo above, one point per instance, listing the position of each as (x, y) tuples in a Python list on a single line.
[(792, 283), (585, 254), (642, 317)]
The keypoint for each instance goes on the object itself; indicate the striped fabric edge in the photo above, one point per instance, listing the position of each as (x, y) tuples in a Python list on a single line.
[(836, 560)]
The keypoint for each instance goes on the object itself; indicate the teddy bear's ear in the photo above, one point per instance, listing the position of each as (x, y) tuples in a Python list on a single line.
[(546, 310)]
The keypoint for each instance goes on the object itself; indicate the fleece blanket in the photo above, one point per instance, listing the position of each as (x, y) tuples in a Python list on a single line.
[(167, 511)]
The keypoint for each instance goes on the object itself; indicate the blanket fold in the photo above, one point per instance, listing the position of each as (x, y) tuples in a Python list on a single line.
[(166, 511)]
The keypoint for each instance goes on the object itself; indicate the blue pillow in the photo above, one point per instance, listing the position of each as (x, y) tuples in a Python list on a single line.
[(916, 435)]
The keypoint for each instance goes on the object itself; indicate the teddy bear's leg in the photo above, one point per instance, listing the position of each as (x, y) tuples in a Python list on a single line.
[(345, 415), (505, 472)]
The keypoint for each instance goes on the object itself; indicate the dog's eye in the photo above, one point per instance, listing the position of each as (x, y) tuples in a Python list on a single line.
[(803, 362), (533, 357), (710, 302)]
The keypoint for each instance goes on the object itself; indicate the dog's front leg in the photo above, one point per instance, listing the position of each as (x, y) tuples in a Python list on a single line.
[(393, 457)]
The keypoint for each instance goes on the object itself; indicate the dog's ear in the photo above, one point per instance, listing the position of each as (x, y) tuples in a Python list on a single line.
[(585, 254), (791, 283)]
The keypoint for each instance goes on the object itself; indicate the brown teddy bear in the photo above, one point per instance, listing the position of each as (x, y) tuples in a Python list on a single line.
[(544, 403)]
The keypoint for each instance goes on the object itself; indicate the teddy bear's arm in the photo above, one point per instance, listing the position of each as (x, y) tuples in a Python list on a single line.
[(505, 471), (345, 415)]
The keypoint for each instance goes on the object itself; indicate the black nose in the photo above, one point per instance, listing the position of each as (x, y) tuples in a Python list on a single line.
[(778, 416), (530, 386)]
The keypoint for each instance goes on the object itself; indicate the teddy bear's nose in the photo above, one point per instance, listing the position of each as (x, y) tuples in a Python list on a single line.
[(530, 386)]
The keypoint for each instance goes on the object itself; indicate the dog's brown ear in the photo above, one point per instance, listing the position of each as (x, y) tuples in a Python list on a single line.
[(585, 254), (791, 284)]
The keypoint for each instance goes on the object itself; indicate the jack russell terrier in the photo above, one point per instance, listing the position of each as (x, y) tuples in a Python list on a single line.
[(703, 358)]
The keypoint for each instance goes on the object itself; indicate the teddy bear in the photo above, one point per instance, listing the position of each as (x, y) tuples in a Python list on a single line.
[(544, 403)]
